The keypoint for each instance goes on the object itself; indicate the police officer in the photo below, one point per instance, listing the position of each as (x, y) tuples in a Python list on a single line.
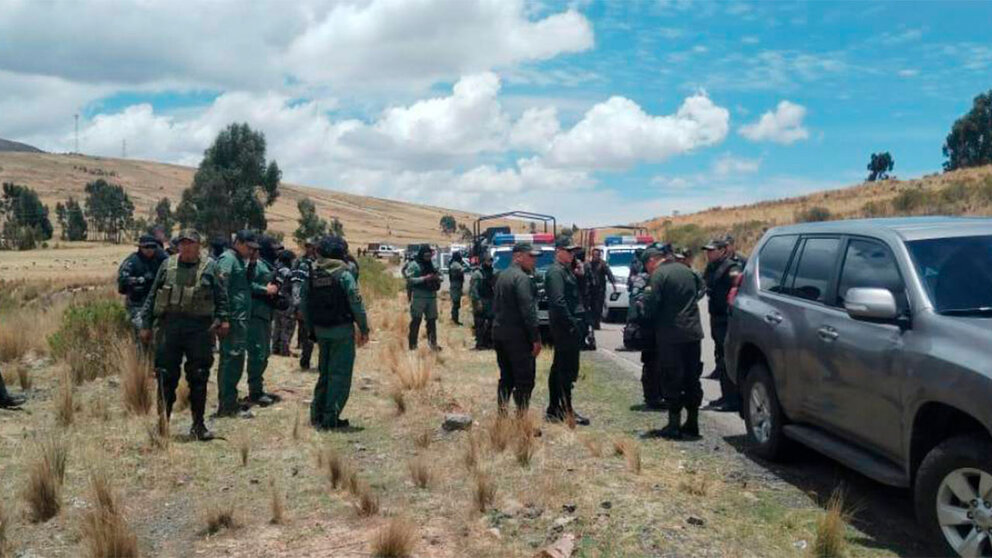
[(283, 321), (233, 271), (642, 330), (673, 305), (516, 336), (722, 269), (598, 274), (423, 281), (567, 329), (8, 400), (186, 302), (301, 272), (332, 308), (261, 275), (136, 274), (481, 290), (456, 282)]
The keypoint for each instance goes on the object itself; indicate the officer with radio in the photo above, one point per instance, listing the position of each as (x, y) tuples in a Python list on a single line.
[(136, 274), (423, 281), (456, 281)]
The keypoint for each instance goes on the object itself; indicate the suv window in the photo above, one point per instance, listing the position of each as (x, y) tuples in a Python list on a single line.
[(869, 264), (815, 268), (772, 259)]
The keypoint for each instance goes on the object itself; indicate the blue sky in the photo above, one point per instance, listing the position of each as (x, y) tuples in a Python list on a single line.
[(596, 111)]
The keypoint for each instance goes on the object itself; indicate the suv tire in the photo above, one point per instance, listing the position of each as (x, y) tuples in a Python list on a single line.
[(763, 415), (964, 463)]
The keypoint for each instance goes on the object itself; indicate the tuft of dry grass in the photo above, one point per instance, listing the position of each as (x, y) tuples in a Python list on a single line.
[(20, 333), (277, 504), (421, 472), (594, 445), (244, 448), (337, 469), (395, 540), (424, 439), (135, 371), (829, 541), (23, 377), (413, 372), (501, 431), (5, 550), (220, 516), (366, 501), (697, 484), (158, 432), (46, 475), (182, 397), (399, 400), (630, 451), (472, 449), (105, 530), (525, 448), (65, 404), (484, 493), (296, 424)]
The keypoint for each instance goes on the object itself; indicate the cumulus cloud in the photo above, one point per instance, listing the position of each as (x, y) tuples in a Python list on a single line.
[(784, 125), (618, 133), (728, 165), (536, 129)]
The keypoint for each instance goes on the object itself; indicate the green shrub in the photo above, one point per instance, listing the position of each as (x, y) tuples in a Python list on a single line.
[(911, 201), (812, 214), (86, 335), (689, 236), (377, 280), (875, 209), (984, 192)]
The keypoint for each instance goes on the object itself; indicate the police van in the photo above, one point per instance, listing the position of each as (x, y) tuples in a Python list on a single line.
[(618, 253), (501, 250)]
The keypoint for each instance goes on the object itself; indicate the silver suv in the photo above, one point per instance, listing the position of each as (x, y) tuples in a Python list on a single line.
[(871, 342)]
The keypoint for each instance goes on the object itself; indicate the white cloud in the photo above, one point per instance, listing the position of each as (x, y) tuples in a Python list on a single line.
[(908, 72), (784, 125), (536, 129), (618, 133), (728, 165)]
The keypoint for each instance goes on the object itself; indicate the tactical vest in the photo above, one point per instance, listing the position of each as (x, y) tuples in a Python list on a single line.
[(196, 300), (487, 287), (456, 275), (328, 303)]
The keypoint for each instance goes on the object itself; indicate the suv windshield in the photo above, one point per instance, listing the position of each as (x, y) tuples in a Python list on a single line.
[(620, 258), (502, 259), (956, 272)]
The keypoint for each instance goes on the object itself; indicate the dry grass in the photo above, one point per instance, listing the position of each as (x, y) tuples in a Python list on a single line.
[(105, 530), (697, 484), (46, 475), (352, 483), (501, 431), (65, 405), (484, 493), (135, 371), (337, 469), (630, 451), (421, 472), (471, 457), (366, 501), (594, 445), (424, 439), (399, 400), (829, 541), (243, 442), (395, 540), (277, 504), (220, 516), (5, 549), (182, 397), (296, 424), (413, 372), (23, 377), (20, 333)]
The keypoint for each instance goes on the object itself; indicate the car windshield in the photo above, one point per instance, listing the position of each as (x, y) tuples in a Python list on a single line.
[(620, 258), (956, 272), (502, 259)]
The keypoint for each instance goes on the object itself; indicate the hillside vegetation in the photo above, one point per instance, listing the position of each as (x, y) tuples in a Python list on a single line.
[(961, 192), (365, 219)]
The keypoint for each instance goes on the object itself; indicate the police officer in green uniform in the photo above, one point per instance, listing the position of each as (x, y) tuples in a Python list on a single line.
[(8, 400), (639, 336), (456, 281), (722, 269), (332, 307), (262, 274), (136, 274), (481, 289), (673, 304), (301, 272), (424, 282), (186, 302), (567, 329), (516, 336), (233, 271)]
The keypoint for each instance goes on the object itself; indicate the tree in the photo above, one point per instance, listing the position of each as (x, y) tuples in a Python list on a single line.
[(60, 218), (880, 166), (970, 142), (163, 216), (75, 222), (311, 225), (25, 218), (813, 214), (448, 224), (232, 186), (465, 233), (109, 209)]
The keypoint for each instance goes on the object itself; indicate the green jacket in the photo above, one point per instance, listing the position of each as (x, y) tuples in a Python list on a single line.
[(563, 299), (673, 303), (480, 289), (262, 275), (233, 273), (354, 299), (185, 277), (515, 306), (456, 276), (417, 281)]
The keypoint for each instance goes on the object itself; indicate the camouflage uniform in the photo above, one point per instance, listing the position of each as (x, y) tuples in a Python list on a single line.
[(481, 292), (424, 282), (301, 273), (135, 277), (283, 321)]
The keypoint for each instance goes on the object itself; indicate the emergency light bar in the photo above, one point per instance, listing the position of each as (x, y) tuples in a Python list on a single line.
[(620, 240), (510, 239)]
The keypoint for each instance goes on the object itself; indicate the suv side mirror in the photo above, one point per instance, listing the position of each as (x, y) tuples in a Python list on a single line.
[(871, 304)]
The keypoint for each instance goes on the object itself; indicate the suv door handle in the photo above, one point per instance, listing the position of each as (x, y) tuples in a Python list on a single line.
[(773, 318), (827, 333)]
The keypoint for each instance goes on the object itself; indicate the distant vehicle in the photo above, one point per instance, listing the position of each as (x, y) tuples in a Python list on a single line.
[(412, 249), (870, 342), (502, 253), (449, 251), (386, 251), (618, 252)]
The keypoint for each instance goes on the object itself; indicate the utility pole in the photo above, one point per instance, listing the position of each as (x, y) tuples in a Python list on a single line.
[(124, 149), (76, 118)]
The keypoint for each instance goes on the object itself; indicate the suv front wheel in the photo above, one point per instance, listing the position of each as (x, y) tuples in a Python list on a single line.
[(762, 414), (954, 494)]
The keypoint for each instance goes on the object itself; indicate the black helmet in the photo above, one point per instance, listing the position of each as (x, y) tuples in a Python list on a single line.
[(332, 247), (424, 250)]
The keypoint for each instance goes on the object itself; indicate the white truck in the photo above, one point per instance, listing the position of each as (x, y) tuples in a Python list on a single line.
[(618, 252)]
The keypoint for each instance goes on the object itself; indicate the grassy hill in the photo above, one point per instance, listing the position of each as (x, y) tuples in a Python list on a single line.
[(962, 192), (365, 219), (7, 145)]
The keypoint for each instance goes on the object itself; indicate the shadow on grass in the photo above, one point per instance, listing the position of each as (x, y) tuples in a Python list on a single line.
[(883, 513)]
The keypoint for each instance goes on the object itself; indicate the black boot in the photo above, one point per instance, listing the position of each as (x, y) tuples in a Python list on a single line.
[(672, 431), (690, 428), (197, 407)]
